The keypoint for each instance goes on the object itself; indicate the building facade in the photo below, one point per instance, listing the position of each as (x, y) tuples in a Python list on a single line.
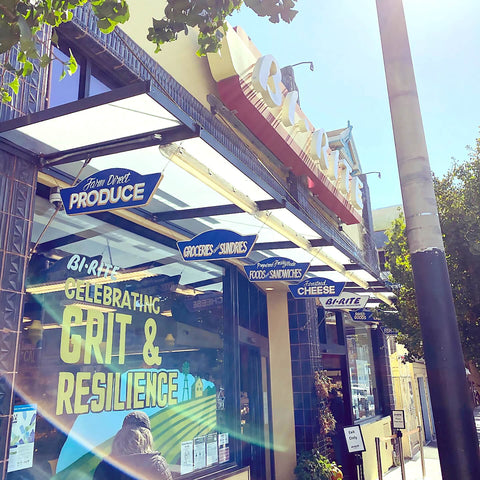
[(112, 306), (410, 380)]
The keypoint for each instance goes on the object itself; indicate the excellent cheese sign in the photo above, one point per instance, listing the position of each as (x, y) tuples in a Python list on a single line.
[(108, 190)]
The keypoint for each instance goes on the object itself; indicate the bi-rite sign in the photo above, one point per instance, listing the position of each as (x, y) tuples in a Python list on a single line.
[(108, 190), (346, 301)]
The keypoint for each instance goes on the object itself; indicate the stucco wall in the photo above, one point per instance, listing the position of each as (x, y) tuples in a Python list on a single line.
[(178, 58), (381, 429)]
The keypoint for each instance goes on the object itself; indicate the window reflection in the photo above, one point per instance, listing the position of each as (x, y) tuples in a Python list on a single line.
[(362, 372), (106, 332)]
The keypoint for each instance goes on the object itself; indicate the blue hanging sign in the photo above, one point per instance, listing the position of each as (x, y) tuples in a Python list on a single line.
[(216, 245), (316, 287), (388, 330), (276, 269), (362, 315), (108, 190)]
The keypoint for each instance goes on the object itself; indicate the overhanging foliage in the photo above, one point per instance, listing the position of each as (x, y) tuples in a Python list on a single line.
[(21, 21)]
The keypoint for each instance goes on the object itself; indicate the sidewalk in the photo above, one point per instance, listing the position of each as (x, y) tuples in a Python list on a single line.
[(413, 467)]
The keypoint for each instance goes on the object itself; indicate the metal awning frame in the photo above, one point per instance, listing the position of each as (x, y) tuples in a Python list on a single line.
[(186, 129)]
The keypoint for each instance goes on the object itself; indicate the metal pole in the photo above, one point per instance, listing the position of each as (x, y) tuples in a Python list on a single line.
[(454, 423), (422, 455), (402, 459), (361, 475), (379, 458)]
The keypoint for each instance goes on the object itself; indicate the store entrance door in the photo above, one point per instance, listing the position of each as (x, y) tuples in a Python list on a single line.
[(252, 412), (339, 403)]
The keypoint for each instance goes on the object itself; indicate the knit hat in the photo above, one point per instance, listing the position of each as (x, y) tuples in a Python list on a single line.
[(136, 419)]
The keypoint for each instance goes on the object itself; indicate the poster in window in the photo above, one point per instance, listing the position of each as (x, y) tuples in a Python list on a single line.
[(212, 448), (223, 449), (199, 452), (22, 437), (186, 457)]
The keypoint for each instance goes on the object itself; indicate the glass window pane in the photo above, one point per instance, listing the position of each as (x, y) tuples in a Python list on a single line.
[(362, 371), (65, 90), (96, 87), (113, 323)]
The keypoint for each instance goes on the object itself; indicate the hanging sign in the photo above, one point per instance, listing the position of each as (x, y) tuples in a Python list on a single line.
[(276, 269), (109, 190), (388, 330), (316, 287), (346, 300), (362, 315), (216, 245)]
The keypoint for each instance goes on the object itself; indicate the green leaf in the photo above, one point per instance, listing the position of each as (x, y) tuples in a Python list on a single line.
[(27, 69), (45, 60), (6, 97), (54, 38), (72, 64), (14, 85)]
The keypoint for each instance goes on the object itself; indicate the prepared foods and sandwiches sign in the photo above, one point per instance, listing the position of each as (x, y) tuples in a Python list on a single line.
[(108, 190), (316, 287), (276, 269), (216, 245)]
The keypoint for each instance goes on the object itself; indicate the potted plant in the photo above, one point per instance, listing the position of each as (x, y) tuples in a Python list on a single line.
[(311, 465)]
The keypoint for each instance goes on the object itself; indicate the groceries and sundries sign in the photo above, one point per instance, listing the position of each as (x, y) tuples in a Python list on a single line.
[(108, 190), (216, 245)]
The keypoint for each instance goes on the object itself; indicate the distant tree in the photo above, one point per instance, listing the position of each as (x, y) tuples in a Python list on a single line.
[(458, 200), (21, 22), (405, 320)]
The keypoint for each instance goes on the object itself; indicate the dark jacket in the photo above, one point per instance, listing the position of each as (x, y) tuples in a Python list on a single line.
[(145, 466)]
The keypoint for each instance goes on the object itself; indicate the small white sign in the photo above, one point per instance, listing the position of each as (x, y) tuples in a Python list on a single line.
[(344, 301), (186, 457), (354, 439), (398, 419)]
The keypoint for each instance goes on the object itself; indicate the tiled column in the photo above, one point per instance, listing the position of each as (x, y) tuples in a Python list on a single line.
[(17, 186)]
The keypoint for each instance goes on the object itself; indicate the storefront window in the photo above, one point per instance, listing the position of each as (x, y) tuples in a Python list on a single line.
[(116, 323), (362, 371)]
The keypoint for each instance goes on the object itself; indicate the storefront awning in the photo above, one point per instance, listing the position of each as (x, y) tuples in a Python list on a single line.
[(204, 185)]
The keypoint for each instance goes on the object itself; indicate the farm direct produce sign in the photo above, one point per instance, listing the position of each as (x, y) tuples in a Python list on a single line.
[(276, 269), (108, 190)]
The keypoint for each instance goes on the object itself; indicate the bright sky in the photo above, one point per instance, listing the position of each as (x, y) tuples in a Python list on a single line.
[(342, 38)]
